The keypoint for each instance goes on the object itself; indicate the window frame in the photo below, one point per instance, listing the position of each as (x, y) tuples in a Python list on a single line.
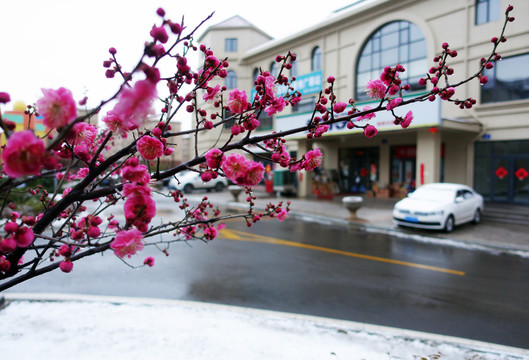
[(230, 45), (316, 59), (230, 79), (491, 10), (494, 85), (398, 41)]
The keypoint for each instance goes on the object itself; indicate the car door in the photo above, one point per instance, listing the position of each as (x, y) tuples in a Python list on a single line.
[(465, 201)]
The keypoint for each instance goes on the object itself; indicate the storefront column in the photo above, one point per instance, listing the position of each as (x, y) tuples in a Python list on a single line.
[(428, 157), (384, 165), (304, 177)]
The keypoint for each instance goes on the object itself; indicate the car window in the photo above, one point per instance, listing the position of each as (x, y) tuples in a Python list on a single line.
[(467, 194), (432, 194)]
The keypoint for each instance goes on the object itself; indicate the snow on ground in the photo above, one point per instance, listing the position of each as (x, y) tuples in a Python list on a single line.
[(87, 327)]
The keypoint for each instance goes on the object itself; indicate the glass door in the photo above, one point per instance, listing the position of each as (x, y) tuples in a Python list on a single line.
[(521, 180), (511, 179)]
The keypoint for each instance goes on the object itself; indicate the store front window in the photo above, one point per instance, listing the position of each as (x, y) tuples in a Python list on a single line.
[(508, 80), (403, 165), (358, 170)]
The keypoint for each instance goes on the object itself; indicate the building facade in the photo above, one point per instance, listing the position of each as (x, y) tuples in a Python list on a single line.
[(486, 146)]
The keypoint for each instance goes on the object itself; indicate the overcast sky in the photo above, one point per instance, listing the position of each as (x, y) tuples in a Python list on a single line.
[(54, 43)]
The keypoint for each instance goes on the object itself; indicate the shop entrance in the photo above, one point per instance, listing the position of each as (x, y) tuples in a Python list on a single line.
[(403, 164), (510, 182), (358, 169), (501, 171)]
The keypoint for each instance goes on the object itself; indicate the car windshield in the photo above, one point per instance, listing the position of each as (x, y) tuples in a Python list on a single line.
[(433, 194)]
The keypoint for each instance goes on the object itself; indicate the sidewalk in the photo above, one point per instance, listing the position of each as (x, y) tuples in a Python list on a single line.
[(376, 215)]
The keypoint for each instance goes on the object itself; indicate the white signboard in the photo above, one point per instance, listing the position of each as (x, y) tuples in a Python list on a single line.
[(425, 114)]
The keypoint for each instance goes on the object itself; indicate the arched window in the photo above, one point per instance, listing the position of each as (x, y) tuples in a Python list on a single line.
[(294, 71), (274, 69), (398, 42), (231, 80), (256, 74), (316, 59)]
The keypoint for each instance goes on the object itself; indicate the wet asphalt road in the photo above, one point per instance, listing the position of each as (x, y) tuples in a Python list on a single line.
[(327, 270)]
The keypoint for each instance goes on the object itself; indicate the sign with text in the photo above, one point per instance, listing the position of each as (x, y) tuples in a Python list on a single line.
[(424, 114)]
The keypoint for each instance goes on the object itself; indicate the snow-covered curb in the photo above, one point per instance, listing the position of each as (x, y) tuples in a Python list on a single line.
[(88, 327)]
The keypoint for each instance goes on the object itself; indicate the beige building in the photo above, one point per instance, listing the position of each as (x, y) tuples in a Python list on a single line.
[(486, 146)]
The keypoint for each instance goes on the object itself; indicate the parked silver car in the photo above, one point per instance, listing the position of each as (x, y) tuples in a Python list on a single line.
[(439, 206), (190, 180)]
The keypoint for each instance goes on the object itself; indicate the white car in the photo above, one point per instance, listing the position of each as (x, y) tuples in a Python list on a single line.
[(439, 206), (190, 180)]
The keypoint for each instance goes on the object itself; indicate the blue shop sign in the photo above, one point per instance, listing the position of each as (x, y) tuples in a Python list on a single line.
[(308, 83)]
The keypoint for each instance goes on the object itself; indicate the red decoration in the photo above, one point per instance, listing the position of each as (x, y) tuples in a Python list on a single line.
[(501, 172), (363, 172), (433, 130), (521, 174)]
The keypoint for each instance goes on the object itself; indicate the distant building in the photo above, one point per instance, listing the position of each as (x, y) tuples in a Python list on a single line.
[(486, 147), (24, 122)]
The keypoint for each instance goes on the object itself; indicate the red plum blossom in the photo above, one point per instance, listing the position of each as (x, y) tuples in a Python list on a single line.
[(57, 107), (149, 148), (127, 243), (23, 154)]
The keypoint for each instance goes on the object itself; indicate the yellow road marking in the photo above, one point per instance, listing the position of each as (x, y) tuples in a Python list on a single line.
[(230, 234)]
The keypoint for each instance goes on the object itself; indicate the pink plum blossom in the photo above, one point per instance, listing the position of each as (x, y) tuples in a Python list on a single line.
[(320, 130), (235, 166), (237, 102), (23, 154), (149, 261), (24, 236), (135, 104), (276, 106), (393, 103), (139, 211), (149, 148), (66, 266), (131, 189), (83, 152), (127, 243), (370, 131), (339, 107), (212, 93), (83, 134), (214, 158), (254, 174), (5, 265), (4, 98), (7, 245), (116, 124), (57, 107), (376, 89), (138, 173), (366, 116), (282, 215), (312, 160), (407, 120)]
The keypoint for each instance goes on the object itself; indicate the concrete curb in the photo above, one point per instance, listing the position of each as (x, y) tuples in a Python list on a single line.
[(328, 323)]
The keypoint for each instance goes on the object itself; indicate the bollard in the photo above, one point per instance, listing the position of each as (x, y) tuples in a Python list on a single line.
[(235, 192), (352, 203)]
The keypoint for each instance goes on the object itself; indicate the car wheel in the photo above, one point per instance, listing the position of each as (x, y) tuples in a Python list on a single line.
[(188, 188), (449, 224), (219, 187), (477, 217)]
